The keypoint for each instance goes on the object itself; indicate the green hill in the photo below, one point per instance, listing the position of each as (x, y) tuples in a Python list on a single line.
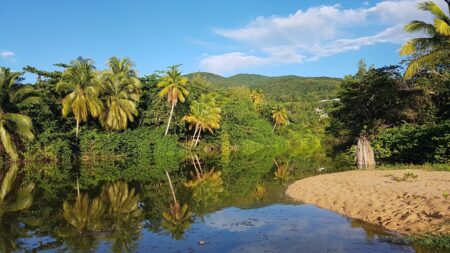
[(289, 88)]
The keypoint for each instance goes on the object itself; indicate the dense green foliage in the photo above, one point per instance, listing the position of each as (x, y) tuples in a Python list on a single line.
[(403, 144), (402, 118)]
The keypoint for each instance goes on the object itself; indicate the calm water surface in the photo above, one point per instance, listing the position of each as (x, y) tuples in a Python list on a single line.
[(236, 205)]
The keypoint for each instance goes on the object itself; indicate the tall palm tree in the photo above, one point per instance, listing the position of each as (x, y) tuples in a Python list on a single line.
[(173, 86), (204, 115), (433, 49), (80, 80), (279, 116), (13, 124), (121, 91)]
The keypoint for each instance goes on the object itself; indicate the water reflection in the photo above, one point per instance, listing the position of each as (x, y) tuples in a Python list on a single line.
[(114, 216), (177, 218), (15, 196), (233, 206)]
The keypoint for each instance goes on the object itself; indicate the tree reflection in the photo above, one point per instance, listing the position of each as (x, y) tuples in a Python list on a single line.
[(206, 187), (177, 218), (281, 173), (115, 215), (14, 196)]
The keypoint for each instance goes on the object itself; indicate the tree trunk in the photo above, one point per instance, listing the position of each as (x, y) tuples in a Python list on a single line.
[(170, 118), (364, 153), (77, 129), (198, 137), (274, 125), (171, 188), (193, 136), (195, 167)]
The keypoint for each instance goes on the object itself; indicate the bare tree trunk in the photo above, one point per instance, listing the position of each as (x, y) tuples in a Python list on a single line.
[(195, 167), (364, 153), (193, 136), (171, 188), (199, 164), (78, 128), (170, 119), (198, 137), (78, 188), (274, 125), (275, 161)]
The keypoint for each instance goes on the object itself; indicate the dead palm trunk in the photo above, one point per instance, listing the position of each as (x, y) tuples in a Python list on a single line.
[(364, 153), (274, 125), (171, 189), (170, 118)]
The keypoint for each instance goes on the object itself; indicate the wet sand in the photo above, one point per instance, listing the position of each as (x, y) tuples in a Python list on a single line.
[(405, 204)]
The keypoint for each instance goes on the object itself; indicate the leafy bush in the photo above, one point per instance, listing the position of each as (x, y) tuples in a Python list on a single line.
[(411, 143)]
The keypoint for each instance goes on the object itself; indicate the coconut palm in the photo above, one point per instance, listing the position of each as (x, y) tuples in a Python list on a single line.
[(80, 81), (204, 115), (13, 124), (173, 86), (121, 91), (257, 98), (279, 116), (433, 49)]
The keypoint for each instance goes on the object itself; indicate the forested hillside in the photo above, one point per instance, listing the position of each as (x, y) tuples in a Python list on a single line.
[(285, 88)]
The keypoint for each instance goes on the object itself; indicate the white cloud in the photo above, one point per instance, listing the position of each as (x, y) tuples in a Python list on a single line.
[(316, 32), (6, 54), (231, 61)]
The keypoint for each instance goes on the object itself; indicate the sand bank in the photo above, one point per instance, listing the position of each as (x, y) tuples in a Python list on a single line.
[(406, 201)]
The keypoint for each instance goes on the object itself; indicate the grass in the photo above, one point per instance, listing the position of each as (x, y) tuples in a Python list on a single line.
[(432, 241), (427, 166)]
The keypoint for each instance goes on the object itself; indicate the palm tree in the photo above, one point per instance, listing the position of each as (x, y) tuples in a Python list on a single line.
[(13, 124), (204, 115), (433, 49), (80, 80), (173, 86), (279, 116), (121, 91), (257, 98)]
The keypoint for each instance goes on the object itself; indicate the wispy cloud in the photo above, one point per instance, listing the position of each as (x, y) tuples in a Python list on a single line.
[(314, 33), (6, 54)]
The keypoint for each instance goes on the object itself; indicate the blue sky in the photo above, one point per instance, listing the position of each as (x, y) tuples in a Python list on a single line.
[(270, 37)]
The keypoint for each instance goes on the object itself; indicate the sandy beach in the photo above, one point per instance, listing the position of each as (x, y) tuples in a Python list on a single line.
[(406, 201)]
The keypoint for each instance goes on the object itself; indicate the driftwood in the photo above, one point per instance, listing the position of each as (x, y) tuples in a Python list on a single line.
[(364, 156)]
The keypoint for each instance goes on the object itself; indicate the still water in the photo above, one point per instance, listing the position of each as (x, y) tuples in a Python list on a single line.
[(233, 205)]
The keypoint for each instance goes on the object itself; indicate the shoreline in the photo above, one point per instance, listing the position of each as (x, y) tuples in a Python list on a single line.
[(410, 202)]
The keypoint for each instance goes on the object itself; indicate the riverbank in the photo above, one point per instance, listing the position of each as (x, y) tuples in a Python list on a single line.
[(410, 202)]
